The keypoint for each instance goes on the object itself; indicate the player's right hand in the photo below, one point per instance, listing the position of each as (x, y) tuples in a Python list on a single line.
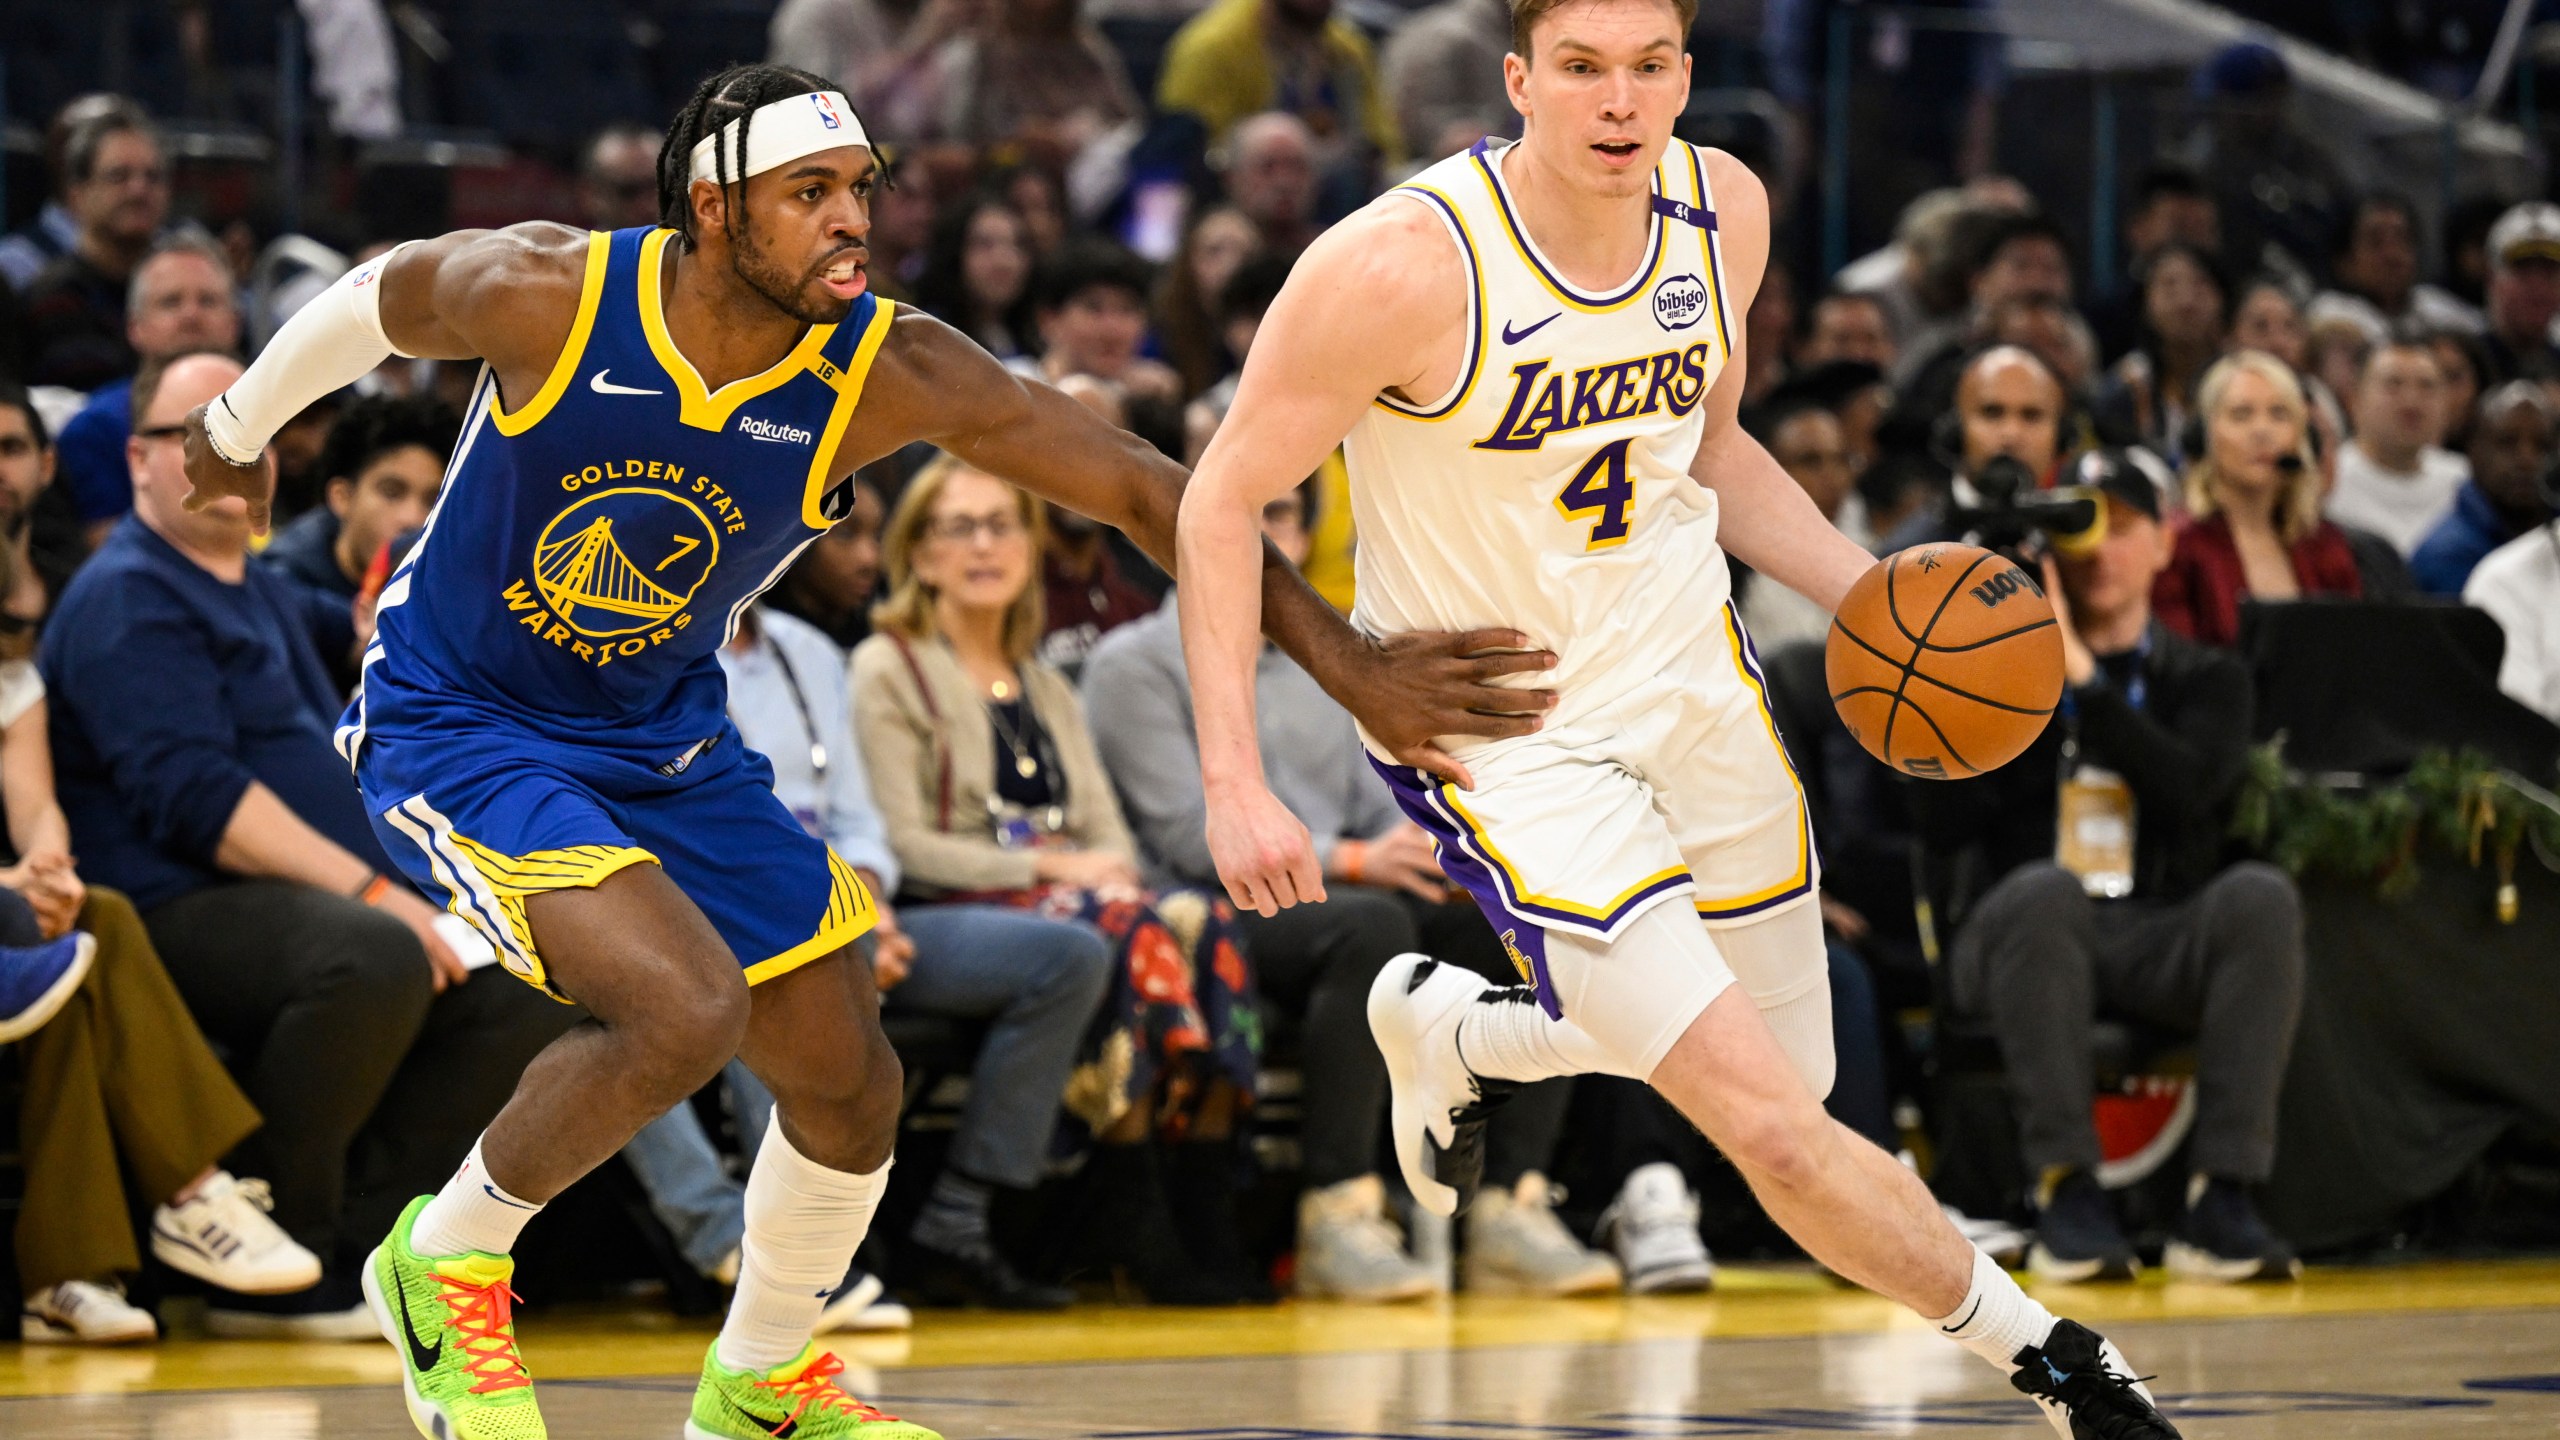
[(1429, 684), (1263, 852), (215, 478)]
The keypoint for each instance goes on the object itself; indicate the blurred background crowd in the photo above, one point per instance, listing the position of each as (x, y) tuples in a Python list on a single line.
[(2236, 324)]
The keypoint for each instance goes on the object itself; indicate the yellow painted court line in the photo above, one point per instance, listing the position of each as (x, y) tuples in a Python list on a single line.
[(591, 1343)]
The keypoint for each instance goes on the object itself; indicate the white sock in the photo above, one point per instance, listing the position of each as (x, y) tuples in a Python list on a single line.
[(1997, 1319), (804, 1221), (472, 1212), (1510, 1038)]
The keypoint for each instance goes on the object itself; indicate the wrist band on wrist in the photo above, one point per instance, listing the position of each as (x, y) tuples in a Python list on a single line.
[(223, 431), (374, 888), (1355, 858)]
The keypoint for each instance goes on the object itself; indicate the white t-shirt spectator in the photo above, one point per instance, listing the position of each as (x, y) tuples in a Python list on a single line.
[(2401, 508), (2519, 585)]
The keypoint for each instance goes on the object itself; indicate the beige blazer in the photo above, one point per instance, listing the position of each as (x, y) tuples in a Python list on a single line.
[(953, 849)]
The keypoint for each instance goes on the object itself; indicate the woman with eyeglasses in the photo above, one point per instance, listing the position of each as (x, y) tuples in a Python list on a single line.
[(982, 763)]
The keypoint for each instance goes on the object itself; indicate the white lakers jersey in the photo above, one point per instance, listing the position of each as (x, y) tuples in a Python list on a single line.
[(1548, 490)]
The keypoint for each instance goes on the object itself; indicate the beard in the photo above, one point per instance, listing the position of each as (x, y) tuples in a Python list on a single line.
[(787, 292)]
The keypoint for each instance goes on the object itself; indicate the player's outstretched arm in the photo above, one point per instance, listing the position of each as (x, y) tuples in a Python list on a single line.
[(1767, 519), (508, 296)]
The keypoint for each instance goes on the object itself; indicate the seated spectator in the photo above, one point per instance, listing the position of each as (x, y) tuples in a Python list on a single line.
[(384, 460), (2268, 319), (2253, 527), (1919, 277), (2334, 351), (1218, 240), (1030, 71), (115, 183), (2393, 478), (1385, 896), (55, 232), (2186, 314), (2511, 452), (1242, 57), (2466, 373), (2373, 263), (2519, 585), (1848, 326), (2171, 206), (191, 734), (1035, 982), (977, 275), (2016, 256), (1809, 443), (37, 527), (1271, 169), (1443, 72), (1092, 313), (2524, 294), (984, 768), (118, 1078), (834, 582), (182, 300), (2134, 914), (1085, 594), (618, 178)]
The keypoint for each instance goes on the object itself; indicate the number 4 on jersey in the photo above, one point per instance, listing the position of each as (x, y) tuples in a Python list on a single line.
[(1601, 487)]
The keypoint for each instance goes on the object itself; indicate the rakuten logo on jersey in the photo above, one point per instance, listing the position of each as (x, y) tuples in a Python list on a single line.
[(756, 429)]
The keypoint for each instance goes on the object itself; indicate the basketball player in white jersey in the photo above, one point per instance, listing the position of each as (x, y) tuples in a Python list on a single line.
[(1533, 353)]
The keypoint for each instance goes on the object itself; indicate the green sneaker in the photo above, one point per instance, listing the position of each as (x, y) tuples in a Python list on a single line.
[(799, 1400), (452, 1318)]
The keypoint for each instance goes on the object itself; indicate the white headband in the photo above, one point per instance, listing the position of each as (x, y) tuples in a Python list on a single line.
[(785, 130)]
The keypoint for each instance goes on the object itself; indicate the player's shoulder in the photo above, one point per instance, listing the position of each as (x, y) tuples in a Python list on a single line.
[(522, 272), (1394, 251)]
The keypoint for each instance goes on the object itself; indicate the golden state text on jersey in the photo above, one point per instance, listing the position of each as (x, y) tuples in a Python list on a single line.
[(595, 544)]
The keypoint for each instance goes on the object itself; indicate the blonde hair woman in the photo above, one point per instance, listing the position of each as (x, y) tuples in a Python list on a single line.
[(2253, 498), (986, 773)]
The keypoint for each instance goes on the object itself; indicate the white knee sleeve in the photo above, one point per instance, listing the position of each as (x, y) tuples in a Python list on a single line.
[(1781, 963), (1636, 995)]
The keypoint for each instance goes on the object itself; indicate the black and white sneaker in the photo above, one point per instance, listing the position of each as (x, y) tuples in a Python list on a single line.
[(2083, 1385), (2077, 1237), (2222, 1239), (1439, 1106)]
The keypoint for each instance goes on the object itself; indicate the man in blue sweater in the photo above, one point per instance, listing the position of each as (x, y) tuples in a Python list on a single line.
[(191, 721), (2511, 447)]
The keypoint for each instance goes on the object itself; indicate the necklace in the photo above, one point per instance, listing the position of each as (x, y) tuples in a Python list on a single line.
[(1025, 763)]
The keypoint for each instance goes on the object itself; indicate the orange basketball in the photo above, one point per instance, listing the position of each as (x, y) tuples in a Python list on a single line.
[(1945, 661)]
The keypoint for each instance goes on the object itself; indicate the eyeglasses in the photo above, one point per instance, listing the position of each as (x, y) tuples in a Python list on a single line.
[(961, 529)]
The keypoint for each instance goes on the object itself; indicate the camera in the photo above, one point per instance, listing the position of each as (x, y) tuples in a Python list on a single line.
[(2009, 516)]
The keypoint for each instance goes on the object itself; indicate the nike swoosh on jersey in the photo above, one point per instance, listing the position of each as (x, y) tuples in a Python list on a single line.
[(423, 1358), (1509, 335), (602, 386)]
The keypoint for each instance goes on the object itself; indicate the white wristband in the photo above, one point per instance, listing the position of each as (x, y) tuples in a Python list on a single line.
[(329, 344)]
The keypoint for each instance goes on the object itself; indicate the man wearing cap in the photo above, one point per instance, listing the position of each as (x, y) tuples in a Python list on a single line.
[(2524, 293), (2102, 893), (668, 414)]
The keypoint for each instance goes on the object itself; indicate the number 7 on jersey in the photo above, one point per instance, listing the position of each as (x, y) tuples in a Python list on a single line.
[(1601, 487)]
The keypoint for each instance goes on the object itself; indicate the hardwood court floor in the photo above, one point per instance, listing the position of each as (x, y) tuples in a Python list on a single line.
[(2351, 1354)]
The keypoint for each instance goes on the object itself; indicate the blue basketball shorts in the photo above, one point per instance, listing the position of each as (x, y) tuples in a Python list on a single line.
[(481, 818)]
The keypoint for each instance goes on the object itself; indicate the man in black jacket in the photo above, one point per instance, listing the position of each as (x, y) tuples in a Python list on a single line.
[(2097, 859)]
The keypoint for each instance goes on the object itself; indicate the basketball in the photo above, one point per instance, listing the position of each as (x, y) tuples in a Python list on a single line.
[(1945, 661)]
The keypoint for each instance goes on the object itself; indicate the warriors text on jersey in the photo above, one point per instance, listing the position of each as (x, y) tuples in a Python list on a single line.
[(1549, 490), (542, 701)]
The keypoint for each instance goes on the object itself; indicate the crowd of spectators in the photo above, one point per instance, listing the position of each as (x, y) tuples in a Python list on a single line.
[(980, 701)]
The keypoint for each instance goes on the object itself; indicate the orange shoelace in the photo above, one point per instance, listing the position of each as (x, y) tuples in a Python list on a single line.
[(484, 1318), (814, 1389)]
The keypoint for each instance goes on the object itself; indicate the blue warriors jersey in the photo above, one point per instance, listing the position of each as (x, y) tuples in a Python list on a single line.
[(542, 703), (594, 547)]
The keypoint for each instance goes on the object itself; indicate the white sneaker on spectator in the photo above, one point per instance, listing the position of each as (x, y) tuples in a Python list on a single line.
[(1653, 1227), (83, 1312), (1517, 1246), (860, 1305), (1347, 1250), (221, 1235)]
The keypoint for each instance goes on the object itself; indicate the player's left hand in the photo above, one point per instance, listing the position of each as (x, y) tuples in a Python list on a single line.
[(1263, 853), (1412, 689)]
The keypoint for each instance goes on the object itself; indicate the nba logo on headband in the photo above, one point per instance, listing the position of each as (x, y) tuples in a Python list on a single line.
[(826, 110)]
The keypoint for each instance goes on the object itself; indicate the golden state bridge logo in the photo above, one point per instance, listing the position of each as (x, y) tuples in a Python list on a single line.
[(620, 562)]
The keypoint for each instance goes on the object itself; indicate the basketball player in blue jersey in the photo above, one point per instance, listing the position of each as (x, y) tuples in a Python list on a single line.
[(1533, 354), (666, 416)]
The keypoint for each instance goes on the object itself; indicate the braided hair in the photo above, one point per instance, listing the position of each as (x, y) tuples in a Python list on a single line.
[(734, 94)]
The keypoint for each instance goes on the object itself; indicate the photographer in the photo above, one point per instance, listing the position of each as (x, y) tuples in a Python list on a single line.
[(2095, 860), (2008, 425)]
